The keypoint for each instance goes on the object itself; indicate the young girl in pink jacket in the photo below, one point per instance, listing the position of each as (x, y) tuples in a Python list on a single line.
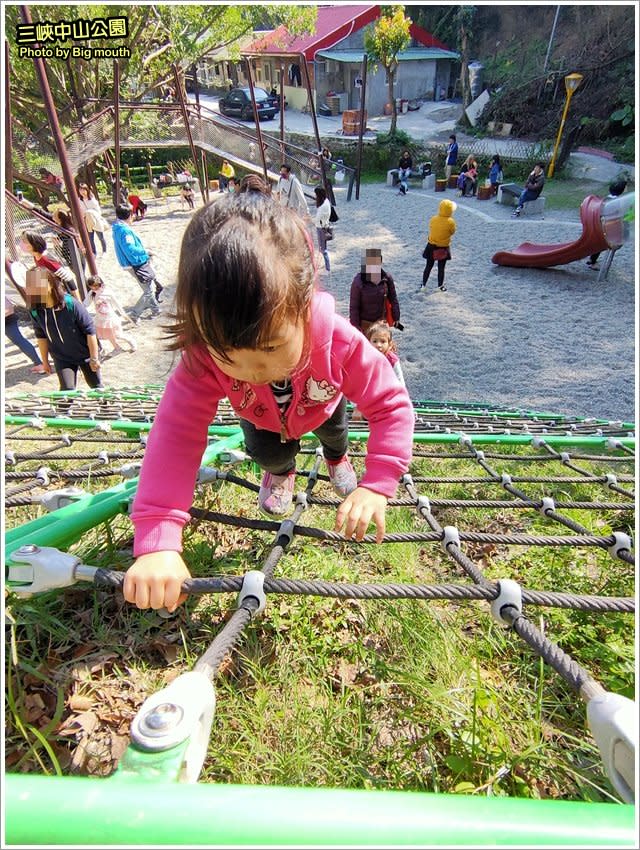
[(252, 327)]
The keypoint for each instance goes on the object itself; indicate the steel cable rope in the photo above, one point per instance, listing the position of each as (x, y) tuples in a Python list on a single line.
[(435, 536), (345, 590), (454, 552), (327, 501), (572, 672), (520, 479), (565, 459), (569, 670), (22, 488), (212, 658), (79, 439), (527, 500), (64, 473), (78, 456)]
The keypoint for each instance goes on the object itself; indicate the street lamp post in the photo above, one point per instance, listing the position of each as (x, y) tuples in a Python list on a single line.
[(571, 83)]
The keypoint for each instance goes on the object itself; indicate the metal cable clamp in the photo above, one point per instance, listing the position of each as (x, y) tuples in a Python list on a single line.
[(182, 711), (48, 569), (253, 588), (509, 596)]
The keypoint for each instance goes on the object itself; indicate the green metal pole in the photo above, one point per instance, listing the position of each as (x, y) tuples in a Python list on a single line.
[(66, 525), (79, 811)]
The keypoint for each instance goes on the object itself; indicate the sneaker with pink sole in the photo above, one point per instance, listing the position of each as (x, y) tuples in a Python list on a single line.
[(276, 493), (342, 476)]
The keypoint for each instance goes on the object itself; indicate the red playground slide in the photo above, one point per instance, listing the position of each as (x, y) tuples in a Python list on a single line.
[(591, 240)]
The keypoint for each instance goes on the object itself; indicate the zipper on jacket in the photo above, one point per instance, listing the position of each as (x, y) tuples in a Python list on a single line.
[(284, 434)]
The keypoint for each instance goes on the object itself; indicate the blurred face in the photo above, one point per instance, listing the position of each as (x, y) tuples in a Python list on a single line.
[(275, 360), (372, 265), (37, 288), (96, 287), (284, 173), (381, 341)]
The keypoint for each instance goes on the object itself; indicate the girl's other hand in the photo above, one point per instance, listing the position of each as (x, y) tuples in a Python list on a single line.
[(154, 581), (359, 509)]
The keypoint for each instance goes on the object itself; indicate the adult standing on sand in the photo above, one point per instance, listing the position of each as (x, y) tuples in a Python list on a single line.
[(452, 156)]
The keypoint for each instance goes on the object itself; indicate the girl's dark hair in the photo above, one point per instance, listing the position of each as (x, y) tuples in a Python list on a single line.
[(64, 219), (321, 195), (95, 280), (246, 263), (37, 242), (57, 288)]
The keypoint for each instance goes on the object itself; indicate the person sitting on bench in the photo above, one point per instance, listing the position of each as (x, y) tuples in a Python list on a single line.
[(468, 180), (404, 172), (533, 187)]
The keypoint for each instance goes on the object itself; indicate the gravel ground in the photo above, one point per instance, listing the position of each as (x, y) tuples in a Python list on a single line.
[(541, 339)]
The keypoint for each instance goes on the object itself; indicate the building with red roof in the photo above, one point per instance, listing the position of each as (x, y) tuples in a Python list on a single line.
[(334, 56)]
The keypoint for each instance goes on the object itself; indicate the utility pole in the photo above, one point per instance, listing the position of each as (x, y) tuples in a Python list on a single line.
[(553, 32)]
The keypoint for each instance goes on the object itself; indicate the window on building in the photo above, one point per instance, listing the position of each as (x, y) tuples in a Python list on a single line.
[(259, 74), (216, 69)]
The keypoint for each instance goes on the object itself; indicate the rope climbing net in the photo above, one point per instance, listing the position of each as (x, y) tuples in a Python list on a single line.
[(490, 491)]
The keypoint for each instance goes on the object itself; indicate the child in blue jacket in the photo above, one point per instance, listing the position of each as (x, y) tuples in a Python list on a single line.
[(132, 255)]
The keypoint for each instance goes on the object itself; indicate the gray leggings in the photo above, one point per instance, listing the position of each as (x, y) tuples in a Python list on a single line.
[(279, 458)]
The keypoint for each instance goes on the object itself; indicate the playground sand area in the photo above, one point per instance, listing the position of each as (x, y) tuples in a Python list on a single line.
[(538, 339)]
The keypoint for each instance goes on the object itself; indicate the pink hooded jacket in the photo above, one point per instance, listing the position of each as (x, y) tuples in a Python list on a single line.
[(342, 362)]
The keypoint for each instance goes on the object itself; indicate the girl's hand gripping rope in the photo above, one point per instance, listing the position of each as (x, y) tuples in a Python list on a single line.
[(154, 581), (358, 510)]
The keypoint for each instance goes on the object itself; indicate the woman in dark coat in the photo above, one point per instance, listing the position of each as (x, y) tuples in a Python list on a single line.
[(370, 290)]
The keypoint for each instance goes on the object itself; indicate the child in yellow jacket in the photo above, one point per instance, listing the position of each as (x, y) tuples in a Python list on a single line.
[(441, 229)]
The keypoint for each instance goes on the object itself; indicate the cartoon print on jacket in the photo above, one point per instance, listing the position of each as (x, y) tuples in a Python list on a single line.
[(315, 392), (248, 396)]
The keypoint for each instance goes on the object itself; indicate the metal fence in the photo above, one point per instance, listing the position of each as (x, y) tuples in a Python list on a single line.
[(151, 126), (17, 219)]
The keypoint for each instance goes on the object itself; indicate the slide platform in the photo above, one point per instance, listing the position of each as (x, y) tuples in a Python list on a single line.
[(591, 240)]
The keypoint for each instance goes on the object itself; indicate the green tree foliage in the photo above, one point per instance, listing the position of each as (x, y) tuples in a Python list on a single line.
[(158, 37), (389, 36)]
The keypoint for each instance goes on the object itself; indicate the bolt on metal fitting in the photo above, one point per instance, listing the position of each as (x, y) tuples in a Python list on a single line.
[(162, 718)]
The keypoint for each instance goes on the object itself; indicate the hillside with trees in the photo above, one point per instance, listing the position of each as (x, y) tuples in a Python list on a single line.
[(526, 51)]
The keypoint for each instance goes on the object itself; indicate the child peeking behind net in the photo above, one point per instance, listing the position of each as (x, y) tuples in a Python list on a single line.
[(251, 326)]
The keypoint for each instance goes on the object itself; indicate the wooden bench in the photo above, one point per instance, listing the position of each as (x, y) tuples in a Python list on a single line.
[(416, 175)]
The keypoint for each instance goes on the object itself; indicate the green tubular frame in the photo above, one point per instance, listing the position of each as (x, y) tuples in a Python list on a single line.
[(63, 527), (119, 810), (143, 803)]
